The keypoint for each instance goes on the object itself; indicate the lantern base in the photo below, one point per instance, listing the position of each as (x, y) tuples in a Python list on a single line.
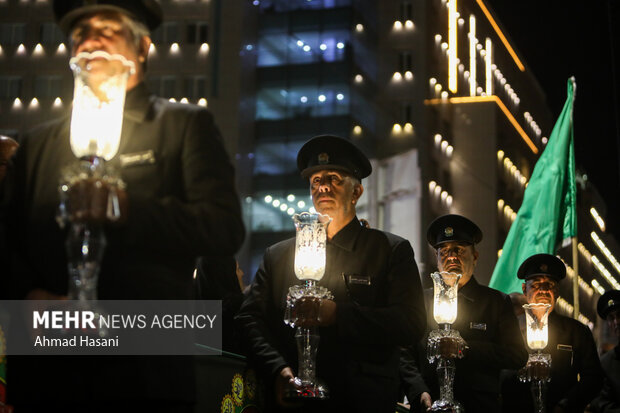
[(306, 391), (538, 368), (445, 406), (445, 343)]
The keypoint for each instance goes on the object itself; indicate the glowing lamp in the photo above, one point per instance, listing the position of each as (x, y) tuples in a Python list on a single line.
[(445, 296), (98, 101), (537, 323), (310, 243)]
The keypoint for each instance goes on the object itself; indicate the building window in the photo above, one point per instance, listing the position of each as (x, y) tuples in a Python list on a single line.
[(404, 62), (167, 33), (405, 113), (196, 87), (50, 34), (47, 86), (164, 86), (302, 101), (406, 10), (197, 33), (276, 49), (276, 158), (280, 6), (10, 87), (12, 33)]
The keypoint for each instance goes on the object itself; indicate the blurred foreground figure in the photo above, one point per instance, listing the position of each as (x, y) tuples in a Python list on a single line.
[(180, 202)]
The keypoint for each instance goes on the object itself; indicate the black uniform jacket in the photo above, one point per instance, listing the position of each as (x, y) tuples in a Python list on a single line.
[(380, 309), (182, 204), (487, 323), (576, 375), (608, 400)]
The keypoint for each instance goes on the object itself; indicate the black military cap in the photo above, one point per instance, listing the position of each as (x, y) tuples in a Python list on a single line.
[(332, 152), (67, 12), (453, 228), (542, 264), (608, 301)]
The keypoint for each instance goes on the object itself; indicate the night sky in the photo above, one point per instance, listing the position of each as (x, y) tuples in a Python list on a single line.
[(559, 39)]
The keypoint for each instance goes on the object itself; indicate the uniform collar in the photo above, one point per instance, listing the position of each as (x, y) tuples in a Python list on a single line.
[(345, 238), (137, 103)]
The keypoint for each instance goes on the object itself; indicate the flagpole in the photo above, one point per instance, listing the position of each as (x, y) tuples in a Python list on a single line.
[(574, 238), (575, 279)]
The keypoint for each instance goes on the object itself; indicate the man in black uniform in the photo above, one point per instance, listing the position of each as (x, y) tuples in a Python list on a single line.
[(608, 400), (180, 203), (377, 292), (576, 374), (485, 320)]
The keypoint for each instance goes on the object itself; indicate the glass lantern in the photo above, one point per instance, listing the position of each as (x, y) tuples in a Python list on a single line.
[(445, 344), (89, 187), (309, 267)]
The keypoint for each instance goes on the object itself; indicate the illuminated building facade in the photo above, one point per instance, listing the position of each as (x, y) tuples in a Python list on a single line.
[(433, 90)]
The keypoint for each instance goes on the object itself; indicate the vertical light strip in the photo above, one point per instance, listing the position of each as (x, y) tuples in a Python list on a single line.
[(488, 61), (452, 46), (472, 55)]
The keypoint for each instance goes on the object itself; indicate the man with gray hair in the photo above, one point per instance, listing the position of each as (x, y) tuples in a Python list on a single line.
[(180, 203)]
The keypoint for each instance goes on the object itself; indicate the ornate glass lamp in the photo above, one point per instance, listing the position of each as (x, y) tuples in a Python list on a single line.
[(538, 367), (445, 344), (88, 187), (310, 248)]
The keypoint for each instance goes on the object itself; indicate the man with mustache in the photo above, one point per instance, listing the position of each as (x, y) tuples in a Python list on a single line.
[(485, 321), (576, 374), (180, 203), (608, 400), (377, 303)]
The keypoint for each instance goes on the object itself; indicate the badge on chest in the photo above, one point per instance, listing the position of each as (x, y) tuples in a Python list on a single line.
[(359, 288), (478, 326)]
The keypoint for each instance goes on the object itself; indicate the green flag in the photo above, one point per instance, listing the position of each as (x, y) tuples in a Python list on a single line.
[(548, 213)]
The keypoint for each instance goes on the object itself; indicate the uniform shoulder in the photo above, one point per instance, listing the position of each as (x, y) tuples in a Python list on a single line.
[(492, 292), (390, 238), (570, 323), (281, 246)]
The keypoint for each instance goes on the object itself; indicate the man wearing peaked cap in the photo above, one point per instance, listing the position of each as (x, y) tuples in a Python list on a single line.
[(332, 152), (180, 202), (451, 228), (575, 369), (485, 321), (608, 303), (608, 400), (542, 265), (68, 12), (377, 303)]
